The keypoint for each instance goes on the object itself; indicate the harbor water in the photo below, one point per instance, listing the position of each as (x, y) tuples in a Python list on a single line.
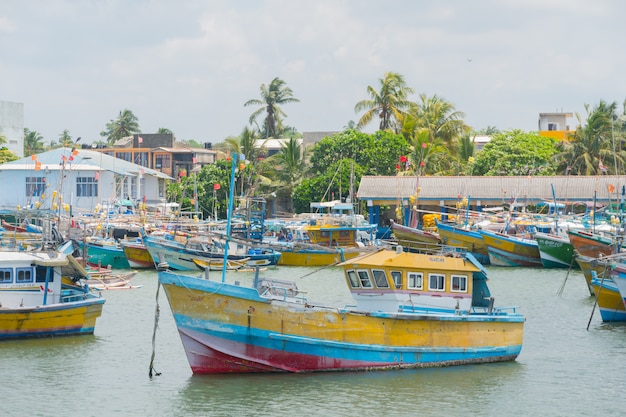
[(571, 363)]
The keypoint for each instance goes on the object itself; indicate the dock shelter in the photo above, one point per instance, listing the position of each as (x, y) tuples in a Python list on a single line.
[(442, 194)]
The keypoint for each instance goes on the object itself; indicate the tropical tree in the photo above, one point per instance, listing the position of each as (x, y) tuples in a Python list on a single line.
[(5, 154), (33, 142), (288, 169), (439, 118), (425, 157), (125, 125), (65, 139), (272, 97), (377, 153), (591, 150), (388, 103), (516, 153)]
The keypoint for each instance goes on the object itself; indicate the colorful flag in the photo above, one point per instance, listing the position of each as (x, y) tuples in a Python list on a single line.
[(602, 167)]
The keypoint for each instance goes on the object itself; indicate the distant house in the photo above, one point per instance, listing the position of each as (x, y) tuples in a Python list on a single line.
[(80, 178), (160, 152), (555, 125)]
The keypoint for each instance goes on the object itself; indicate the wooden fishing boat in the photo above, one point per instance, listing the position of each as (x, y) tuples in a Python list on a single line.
[(556, 251), (111, 282), (411, 236), (471, 240), (591, 244), (34, 301), (511, 250), (412, 310), (105, 252), (589, 266), (609, 300), (619, 277), (137, 255)]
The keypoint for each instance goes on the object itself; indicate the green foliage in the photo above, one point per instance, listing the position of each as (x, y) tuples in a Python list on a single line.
[(516, 152), (388, 103), (333, 184), (272, 97), (125, 125), (33, 142), (7, 156), (377, 153)]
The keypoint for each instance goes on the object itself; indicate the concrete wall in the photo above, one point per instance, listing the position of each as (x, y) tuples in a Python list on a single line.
[(12, 126)]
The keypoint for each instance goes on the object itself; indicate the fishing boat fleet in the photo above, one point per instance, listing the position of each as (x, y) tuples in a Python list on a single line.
[(421, 299)]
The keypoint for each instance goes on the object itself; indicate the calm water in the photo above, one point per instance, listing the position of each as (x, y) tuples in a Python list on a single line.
[(563, 370)]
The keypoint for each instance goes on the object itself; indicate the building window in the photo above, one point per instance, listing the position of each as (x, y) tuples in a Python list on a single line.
[(86, 187), (6, 275), (354, 280), (162, 161), (396, 276), (553, 126), (35, 186), (416, 280), (436, 282), (364, 277), (459, 283), (161, 188), (24, 275), (141, 158), (380, 278), (125, 156)]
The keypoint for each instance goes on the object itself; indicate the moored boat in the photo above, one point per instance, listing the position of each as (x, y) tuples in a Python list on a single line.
[(609, 300), (511, 250), (34, 301), (592, 244), (105, 252), (471, 240), (137, 255), (410, 236), (555, 251), (412, 310)]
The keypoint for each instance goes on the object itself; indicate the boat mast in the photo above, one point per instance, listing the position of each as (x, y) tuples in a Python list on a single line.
[(231, 194)]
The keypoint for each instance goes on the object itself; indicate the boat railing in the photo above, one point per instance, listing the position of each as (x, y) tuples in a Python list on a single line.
[(280, 290)]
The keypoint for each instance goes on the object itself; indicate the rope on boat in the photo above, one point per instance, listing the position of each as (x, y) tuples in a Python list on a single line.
[(571, 264), (152, 370)]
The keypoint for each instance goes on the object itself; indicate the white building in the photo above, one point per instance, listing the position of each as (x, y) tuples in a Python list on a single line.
[(12, 126), (80, 178)]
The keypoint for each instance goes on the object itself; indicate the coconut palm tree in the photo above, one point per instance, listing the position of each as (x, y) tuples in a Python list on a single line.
[(272, 97), (33, 142), (125, 125), (289, 168), (440, 118), (65, 139), (590, 150), (388, 103)]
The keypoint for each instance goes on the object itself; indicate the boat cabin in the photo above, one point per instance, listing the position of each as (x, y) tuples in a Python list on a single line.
[(392, 281)]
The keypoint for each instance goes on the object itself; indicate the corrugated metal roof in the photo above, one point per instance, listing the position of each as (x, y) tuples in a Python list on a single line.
[(492, 189), (85, 160)]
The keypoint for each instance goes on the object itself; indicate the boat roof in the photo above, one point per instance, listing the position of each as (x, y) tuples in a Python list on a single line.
[(386, 258)]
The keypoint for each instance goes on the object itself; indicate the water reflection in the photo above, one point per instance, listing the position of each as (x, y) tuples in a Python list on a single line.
[(400, 392)]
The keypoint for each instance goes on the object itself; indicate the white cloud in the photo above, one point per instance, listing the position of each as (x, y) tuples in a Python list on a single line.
[(190, 65)]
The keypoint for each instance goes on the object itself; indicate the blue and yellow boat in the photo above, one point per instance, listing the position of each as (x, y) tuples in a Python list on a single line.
[(411, 310), (511, 250), (36, 302)]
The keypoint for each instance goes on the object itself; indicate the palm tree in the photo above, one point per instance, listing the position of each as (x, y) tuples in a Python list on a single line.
[(388, 103), (65, 139), (590, 150), (289, 166), (439, 117), (33, 142), (271, 98), (125, 125)]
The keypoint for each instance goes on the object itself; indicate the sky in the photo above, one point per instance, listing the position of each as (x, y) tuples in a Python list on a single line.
[(190, 65)]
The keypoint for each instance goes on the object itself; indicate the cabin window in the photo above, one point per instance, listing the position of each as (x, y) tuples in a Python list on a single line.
[(162, 161), (354, 280), (365, 280), (396, 276), (416, 280), (86, 187), (24, 275), (40, 274), (459, 283), (380, 278), (436, 282), (35, 186), (6, 275)]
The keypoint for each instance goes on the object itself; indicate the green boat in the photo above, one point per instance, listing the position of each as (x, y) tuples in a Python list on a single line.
[(556, 251)]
